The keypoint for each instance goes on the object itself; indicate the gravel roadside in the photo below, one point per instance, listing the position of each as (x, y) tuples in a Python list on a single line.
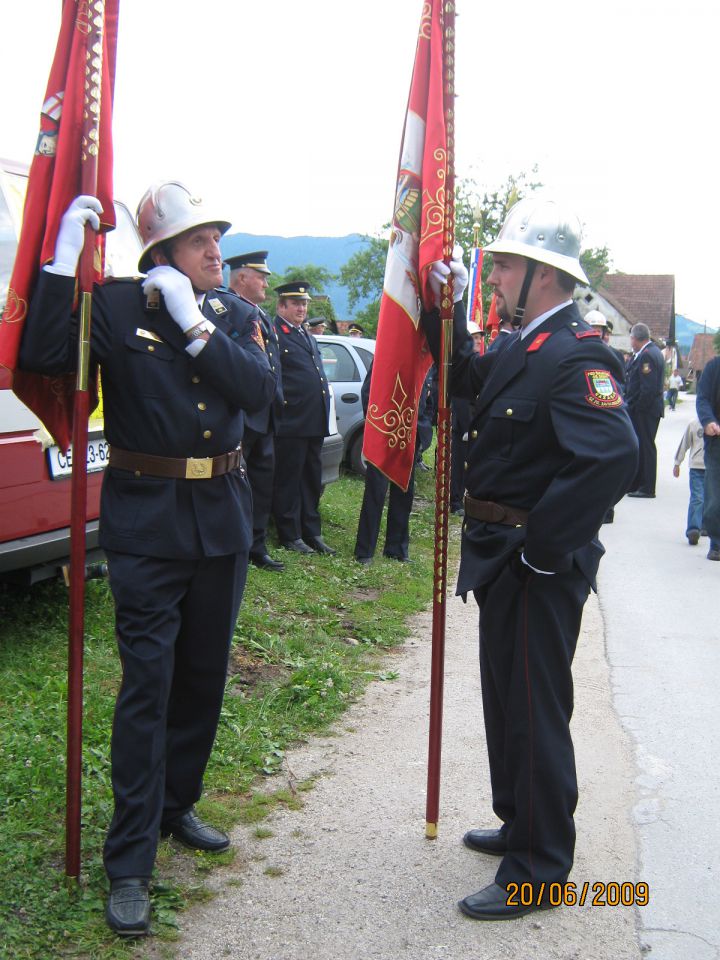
[(351, 876)]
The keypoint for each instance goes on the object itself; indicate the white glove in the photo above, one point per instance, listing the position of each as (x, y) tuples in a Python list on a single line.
[(71, 235), (178, 294), (440, 271)]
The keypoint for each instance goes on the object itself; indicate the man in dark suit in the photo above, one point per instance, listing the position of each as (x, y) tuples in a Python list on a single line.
[(249, 274), (644, 388), (181, 362), (303, 426), (397, 525), (550, 449)]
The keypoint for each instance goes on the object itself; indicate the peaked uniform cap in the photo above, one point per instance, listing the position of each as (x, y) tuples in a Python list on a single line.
[(253, 261), (299, 289)]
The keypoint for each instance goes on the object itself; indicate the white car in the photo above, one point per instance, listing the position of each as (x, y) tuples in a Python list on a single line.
[(346, 361)]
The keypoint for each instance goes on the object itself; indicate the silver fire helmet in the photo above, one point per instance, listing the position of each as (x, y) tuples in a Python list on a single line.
[(166, 210), (595, 318), (541, 230)]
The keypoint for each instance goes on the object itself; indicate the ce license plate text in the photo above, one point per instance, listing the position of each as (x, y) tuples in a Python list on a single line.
[(60, 464)]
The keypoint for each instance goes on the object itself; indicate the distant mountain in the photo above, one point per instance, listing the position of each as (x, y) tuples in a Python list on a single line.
[(328, 252), (685, 330)]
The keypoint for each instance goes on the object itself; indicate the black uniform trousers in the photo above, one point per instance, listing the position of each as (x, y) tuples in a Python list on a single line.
[(397, 528), (174, 622), (297, 488), (259, 454), (646, 426), (529, 625)]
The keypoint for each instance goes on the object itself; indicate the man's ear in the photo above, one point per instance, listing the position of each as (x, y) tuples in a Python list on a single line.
[(158, 257)]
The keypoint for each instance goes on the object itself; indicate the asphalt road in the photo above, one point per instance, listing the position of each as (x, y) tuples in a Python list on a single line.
[(660, 601)]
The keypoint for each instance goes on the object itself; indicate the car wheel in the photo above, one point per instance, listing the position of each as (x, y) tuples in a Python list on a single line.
[(357, 460)]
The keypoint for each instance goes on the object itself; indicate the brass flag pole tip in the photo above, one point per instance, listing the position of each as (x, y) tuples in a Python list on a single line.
[(430, 831)]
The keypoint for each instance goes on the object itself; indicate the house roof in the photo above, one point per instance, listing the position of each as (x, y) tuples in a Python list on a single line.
[(701, 351), (643, 298)]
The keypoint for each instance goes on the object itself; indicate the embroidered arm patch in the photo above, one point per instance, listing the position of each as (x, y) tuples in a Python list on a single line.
[(603, 391)]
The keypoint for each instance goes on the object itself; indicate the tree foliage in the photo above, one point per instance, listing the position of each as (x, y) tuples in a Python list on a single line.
[(362, 275), (596, 263), (716, 342)]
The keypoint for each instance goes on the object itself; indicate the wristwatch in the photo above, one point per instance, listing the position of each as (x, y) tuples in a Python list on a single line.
[(197, 331)]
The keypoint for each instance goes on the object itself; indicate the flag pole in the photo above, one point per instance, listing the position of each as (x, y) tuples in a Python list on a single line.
[(442, 482), (90, 143)]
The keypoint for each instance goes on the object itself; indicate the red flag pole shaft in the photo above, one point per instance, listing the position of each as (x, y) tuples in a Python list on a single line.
[(442, 485), (78, 506)]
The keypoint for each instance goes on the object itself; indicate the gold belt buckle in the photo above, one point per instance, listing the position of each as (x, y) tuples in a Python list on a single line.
[(198, 468)]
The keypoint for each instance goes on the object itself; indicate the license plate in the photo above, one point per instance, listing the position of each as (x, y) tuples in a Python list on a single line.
[(60, 464)]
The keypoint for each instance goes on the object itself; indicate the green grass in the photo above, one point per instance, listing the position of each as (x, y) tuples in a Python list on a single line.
[(307, 643)]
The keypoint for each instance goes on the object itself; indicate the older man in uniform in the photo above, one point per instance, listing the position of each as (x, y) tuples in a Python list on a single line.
[(303, 427), (551, 448), (249, 274), (644, 388), (181, 362)]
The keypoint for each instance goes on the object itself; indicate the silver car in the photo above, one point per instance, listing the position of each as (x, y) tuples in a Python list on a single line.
[(346, 361)]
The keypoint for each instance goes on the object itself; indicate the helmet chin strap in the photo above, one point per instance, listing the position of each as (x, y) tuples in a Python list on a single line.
[(524, 290)]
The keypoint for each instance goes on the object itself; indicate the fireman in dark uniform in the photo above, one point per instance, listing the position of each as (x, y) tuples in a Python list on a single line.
[(551, 448), (249, 274), (303, 426), (644, 395), (181, 362)]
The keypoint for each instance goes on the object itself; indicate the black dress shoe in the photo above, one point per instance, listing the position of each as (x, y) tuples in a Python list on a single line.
[(195, 833), (493, 842), (394, 556), (297, 546), (693, 537), (128, 909), (265, 562), (713, 554), (365, 561), (491, 903), (319, 546), (641, 494)]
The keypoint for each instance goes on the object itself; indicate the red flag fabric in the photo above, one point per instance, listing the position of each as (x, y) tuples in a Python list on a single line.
[(56, 177), (402, 357), (493, 320)]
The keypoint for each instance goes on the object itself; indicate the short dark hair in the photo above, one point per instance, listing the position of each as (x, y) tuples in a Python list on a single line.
[(566, 281)]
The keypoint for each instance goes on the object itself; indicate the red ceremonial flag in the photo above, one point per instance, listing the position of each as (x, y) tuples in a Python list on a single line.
[(55, 180), (402, 357), (493, 320)]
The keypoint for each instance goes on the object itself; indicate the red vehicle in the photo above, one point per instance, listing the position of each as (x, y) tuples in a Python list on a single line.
[(34, 473)]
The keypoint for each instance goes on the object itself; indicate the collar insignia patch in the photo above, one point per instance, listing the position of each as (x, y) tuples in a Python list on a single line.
[(538, 342), (603, 391)]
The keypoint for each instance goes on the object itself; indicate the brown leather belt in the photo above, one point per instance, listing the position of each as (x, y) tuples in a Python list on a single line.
[(179, 468), (495, 512)]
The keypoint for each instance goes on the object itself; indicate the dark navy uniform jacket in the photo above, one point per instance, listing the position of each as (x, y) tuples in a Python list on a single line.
[(551, 435), (645, 381), (306, 394), (157, 399), (266, 419)]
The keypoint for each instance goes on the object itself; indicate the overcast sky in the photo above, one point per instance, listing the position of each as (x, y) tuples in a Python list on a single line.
[(290, 114)]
